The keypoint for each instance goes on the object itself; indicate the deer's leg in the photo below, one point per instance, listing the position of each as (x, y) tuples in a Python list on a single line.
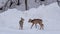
[(42, 26), (32, 25), (21, 25), (36, 25)]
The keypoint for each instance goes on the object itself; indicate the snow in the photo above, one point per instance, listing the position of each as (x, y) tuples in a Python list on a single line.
[(9, 20)]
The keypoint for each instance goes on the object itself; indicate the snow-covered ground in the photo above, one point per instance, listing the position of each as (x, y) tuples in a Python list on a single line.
[(9, 20)]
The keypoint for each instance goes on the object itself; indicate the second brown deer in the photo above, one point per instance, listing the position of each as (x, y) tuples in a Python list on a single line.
[(37, 21)]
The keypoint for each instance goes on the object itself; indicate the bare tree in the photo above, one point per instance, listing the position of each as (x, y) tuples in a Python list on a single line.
[(42, 0), (26, 7), (35, 0), (18, 2), (11, 3), (1, 8), (39, 0), (58, 1)]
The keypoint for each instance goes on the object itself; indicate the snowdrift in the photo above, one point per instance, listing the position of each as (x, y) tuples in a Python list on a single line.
[(9, 20)]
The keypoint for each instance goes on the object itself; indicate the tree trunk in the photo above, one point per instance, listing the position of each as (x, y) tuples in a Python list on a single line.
[(58, 1), (11, 3), (35, 0), (42, 0), (6, 3), (1, 8), (26, 5), (18, 2)]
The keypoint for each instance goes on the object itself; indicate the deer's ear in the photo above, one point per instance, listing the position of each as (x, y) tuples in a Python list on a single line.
[(21, 18), (29, 19)]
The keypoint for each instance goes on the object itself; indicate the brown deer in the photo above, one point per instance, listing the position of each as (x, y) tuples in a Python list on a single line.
[(37, 21), (21, 23)]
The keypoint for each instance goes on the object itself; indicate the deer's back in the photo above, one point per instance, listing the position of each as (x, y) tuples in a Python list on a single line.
[(36, 21)]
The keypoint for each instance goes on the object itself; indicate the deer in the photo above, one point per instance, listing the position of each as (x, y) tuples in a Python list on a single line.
[(21, 24), (35, 22)]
